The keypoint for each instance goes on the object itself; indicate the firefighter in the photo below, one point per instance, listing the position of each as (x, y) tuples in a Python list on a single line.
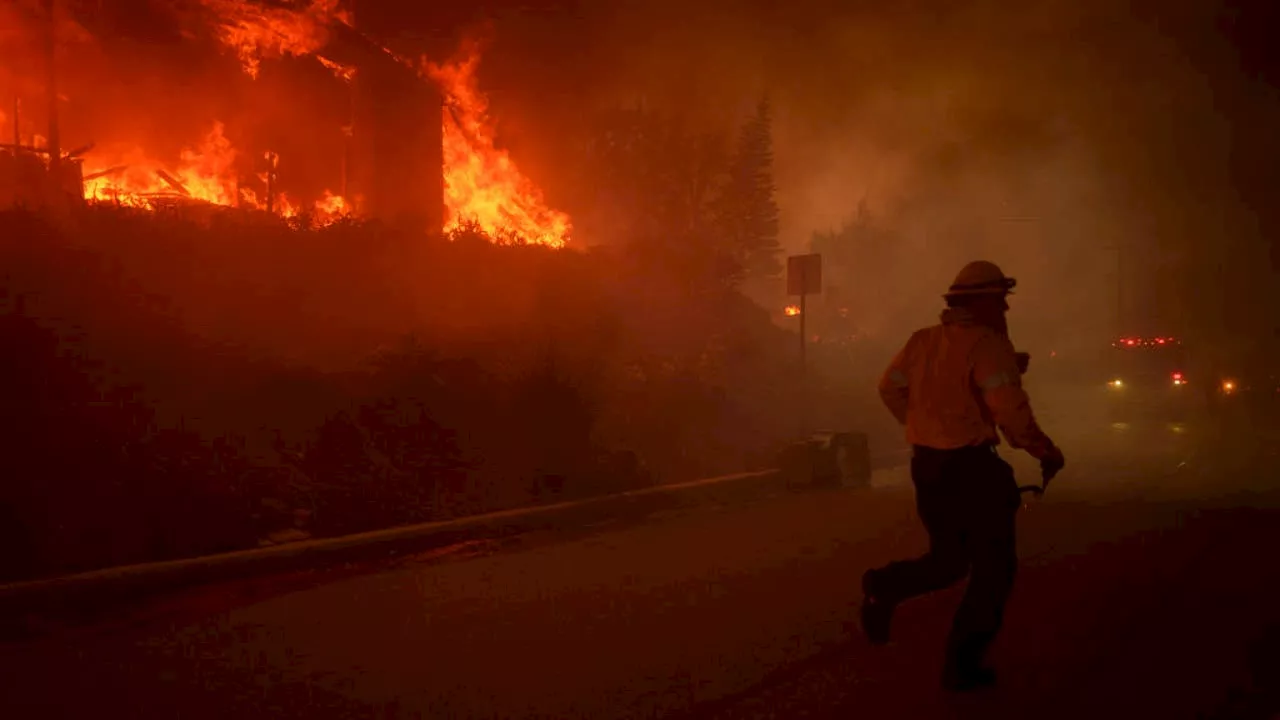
[(952, 386)]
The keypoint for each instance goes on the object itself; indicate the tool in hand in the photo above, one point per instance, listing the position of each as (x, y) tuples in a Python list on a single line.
[(1049, 468)]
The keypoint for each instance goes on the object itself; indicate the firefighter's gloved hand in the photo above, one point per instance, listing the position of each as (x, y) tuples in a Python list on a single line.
[(1051, 464)]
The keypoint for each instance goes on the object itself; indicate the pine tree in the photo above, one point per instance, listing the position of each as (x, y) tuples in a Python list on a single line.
[(749, 213)]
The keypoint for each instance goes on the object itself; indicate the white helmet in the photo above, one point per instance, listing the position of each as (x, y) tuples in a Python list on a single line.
[(981, 278)]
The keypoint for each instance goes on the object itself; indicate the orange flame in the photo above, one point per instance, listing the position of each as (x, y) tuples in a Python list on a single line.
[(257, 32), (332, 206), (482, 184), (205, 173), (326, 211)]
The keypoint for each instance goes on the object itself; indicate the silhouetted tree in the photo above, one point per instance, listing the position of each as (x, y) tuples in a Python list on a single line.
[(658, 190), (859, 242), (748, 210), (861, 267)]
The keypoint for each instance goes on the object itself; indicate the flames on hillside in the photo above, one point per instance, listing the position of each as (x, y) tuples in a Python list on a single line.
[(483, 186)]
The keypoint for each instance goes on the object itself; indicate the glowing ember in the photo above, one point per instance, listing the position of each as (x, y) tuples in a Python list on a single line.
[(257, 32), (482, 184)]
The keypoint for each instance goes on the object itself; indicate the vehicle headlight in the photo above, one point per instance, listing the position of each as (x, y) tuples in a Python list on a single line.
[(1116, 384)]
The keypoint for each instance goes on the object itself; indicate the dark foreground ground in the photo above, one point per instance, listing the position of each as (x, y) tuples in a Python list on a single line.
[(1150, 588)]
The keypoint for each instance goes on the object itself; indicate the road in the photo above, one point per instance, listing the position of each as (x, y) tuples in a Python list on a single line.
[(1148, 579)]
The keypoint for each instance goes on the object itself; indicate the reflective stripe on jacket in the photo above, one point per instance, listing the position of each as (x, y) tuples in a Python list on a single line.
[(954, 383)]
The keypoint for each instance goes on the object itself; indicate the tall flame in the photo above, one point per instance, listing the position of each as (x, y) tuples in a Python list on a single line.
[(482, 184)]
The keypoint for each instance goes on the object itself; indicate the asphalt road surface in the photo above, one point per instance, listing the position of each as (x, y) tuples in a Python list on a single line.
[(1149, 588)]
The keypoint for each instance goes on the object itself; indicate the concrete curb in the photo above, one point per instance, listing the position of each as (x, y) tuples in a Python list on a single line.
[(103, 587)]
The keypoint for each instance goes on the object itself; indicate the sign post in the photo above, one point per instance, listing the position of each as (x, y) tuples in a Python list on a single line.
[(804, 277)]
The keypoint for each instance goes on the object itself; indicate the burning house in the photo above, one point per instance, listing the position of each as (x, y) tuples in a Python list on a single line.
[(411, 144)]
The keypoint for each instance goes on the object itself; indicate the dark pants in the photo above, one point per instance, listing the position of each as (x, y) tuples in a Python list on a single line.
[(968, 501)]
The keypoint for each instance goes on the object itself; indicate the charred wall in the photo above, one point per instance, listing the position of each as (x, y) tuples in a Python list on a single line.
[(395, 160)]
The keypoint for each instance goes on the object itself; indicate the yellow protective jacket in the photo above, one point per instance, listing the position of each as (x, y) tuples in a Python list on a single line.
[(954, 383)]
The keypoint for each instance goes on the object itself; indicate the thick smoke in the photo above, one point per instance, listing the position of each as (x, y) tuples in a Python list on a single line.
[(1087, 147), (1084, 146)]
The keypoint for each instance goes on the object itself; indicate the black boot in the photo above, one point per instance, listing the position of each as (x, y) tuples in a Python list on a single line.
[(960, 679), (965, 669), (877, 611)]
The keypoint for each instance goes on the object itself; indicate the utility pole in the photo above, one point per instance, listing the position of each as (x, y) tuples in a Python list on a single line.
[(348, 132), (51, 88)]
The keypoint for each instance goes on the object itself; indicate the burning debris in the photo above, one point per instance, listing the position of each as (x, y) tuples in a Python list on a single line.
[(129, 177), (205, 173)]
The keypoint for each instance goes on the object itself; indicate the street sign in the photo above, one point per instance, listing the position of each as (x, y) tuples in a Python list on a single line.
[(804, 274)]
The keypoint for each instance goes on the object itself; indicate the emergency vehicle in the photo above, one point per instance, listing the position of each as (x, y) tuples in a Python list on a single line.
[(1151, 376), (1159, 376)]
